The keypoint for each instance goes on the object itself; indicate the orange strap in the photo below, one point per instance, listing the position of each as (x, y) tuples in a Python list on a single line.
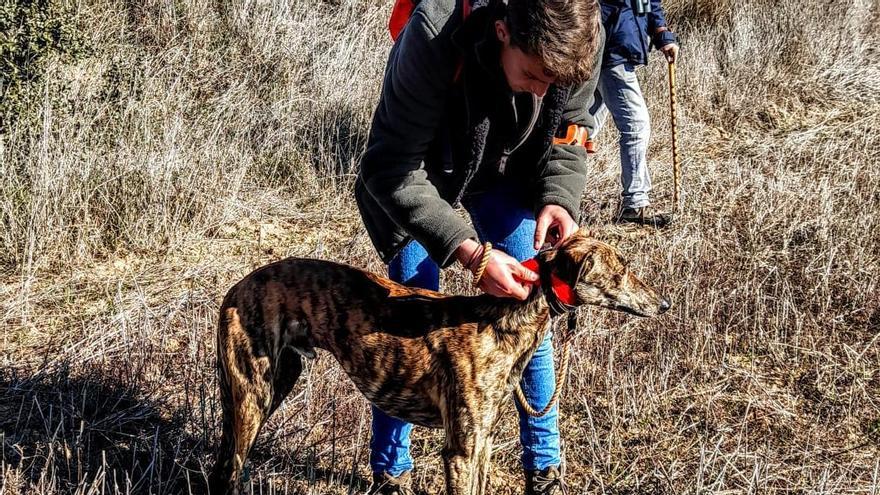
[(577, 135)]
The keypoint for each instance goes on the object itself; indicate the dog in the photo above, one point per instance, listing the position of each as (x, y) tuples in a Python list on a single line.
[(434, 360)]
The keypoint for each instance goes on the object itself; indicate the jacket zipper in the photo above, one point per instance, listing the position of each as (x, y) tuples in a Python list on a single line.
[(536, 110)]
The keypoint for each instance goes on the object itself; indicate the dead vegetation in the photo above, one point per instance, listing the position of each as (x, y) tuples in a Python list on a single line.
[(198, 140)]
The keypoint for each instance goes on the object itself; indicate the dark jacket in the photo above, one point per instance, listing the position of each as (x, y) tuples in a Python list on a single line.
[(630, 35), (444, 103)]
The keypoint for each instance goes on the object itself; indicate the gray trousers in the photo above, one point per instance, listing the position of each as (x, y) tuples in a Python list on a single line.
[(620, 95)]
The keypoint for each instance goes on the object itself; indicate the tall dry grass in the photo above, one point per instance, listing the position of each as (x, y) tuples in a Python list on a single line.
[(197, 140)]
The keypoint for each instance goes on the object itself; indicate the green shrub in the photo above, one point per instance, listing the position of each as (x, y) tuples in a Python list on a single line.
[(32, 31)]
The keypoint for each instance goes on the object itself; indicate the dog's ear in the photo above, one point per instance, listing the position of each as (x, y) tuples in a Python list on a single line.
[(585, 264), (579, 257), (548, 255), (588, 232)]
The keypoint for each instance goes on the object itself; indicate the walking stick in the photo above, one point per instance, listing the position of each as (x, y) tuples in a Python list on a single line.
[(676, 166)]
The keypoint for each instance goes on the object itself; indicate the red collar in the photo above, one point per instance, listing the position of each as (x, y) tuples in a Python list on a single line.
[(561, 290)]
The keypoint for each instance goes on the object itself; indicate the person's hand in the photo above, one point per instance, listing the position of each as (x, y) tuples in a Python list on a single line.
[(554, 226), (670, 51), (503, 277)]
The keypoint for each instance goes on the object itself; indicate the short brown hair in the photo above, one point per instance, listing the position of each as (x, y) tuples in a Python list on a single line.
[(564, 34)]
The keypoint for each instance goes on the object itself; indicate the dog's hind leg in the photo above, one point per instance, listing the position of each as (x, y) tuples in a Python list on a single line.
[(246, 398), (287, 370)]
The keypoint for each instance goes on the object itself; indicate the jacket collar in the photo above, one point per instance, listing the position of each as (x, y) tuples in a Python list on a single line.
[(476, 41)]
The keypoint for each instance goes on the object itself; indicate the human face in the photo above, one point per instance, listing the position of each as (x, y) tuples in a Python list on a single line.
[(524, 72)]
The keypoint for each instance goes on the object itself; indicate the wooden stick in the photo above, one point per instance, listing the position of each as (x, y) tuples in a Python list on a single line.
[(676, 165)]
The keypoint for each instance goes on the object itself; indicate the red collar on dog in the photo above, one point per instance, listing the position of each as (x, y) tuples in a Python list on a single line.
[(561, 290)]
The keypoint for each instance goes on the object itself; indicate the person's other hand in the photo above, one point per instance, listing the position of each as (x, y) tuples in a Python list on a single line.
[(505, 277), (554, 225), (670, 51)]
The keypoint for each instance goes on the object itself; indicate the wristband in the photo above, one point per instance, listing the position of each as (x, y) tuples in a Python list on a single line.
[(484, 262)]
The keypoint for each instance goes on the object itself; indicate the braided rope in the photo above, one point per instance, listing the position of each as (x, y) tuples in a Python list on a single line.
[(676, 165), (560, 378), (484, 262)]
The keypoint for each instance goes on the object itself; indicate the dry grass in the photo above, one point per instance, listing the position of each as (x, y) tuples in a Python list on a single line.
[(199, 140)]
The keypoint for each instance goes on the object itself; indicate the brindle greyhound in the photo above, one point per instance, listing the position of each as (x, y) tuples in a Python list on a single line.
[(431, 359)]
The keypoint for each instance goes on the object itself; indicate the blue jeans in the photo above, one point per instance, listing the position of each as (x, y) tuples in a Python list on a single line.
[(620, 95), (502, 218)]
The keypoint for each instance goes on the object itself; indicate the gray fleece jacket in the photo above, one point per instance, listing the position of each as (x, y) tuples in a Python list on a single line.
[(447, 113)]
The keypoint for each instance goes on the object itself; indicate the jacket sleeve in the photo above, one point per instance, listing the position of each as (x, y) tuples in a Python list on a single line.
[(564, 177), (657, 19), (420, 70)]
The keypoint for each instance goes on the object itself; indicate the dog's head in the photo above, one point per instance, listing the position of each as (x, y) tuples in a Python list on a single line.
[(600, 276)]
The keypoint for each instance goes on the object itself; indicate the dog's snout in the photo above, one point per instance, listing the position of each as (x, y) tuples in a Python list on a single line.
[(664, 304)]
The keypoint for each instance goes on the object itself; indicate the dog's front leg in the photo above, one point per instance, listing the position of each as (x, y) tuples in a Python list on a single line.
[(464, 462), (482, 461), (457, 460)]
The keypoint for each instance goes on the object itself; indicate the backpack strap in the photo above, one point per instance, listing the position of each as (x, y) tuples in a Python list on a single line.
[(400, 14), (466, 8), (403, 9)]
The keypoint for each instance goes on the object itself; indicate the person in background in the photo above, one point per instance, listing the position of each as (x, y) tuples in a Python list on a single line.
[(471, 110), (632, 27)]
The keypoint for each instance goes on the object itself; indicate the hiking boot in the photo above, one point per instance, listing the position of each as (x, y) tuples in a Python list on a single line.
[(547, 481), (385, 484), (644, 216)]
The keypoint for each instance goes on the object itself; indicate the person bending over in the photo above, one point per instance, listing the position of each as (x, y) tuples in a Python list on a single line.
[(486, 106)]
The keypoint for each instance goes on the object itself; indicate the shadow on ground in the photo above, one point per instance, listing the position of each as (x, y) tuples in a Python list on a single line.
[(88, 430), (91, 433)]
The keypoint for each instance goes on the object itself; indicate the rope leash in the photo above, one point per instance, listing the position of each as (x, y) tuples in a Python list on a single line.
[(676, 165), (560, 378), (559, 300)]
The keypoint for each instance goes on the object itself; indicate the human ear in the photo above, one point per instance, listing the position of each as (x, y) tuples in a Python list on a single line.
[(501, 31)]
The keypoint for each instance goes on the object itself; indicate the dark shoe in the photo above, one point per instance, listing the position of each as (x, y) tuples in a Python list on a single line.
[(385, 484), (644, 216), (545, 482)]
